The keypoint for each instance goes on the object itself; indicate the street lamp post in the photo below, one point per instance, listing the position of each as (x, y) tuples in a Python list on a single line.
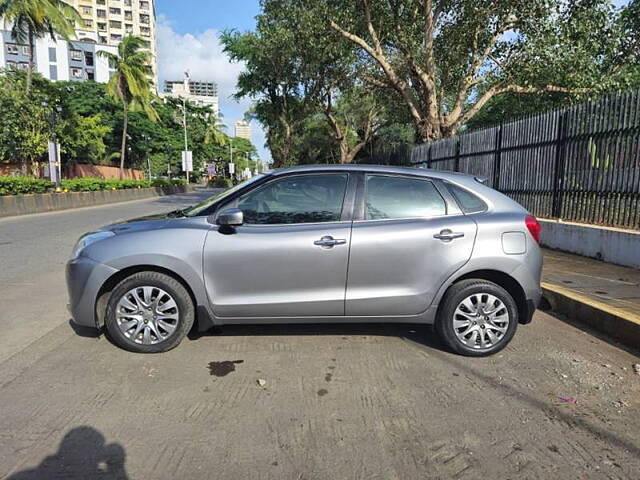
[(184, 113), (145, 139), (56, 164)]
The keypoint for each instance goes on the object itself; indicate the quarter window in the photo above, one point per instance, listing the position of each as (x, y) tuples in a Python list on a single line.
[(468, 202), (296, 199), (390, 197)]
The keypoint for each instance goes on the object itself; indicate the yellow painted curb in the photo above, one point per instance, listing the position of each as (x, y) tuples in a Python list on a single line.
[(567, 292)]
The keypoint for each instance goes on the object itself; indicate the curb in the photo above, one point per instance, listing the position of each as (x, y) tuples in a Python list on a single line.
[(617, 323), (18, 205)]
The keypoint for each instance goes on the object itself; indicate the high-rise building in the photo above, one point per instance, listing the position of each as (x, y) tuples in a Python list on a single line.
[(104, 24), (243, 129), (203, 94)]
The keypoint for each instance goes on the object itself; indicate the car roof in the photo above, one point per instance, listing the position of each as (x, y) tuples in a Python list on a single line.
[(493, 198), (373, 168)]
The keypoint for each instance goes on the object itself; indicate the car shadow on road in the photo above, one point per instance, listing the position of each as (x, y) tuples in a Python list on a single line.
[(83, 453), (422, 334)]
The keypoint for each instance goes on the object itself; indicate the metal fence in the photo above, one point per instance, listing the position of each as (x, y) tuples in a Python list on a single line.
[(580, 163)]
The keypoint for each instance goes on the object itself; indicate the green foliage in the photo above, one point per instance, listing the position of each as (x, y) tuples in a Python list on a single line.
[(25, 129), (215, 133), (89, 127), (83, 138), (130, 85), (433, 66), (90, 184), (23, 185), (220, 182), (168, 183)]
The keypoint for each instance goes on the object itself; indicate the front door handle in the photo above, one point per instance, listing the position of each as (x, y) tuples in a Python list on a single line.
[(328, 241), (447, 235)]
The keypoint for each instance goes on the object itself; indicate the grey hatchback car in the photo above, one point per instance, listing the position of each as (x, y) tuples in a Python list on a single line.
[(317, 244)]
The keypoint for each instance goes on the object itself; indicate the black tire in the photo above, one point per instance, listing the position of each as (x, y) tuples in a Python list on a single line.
[(454, 296), (186, 311)]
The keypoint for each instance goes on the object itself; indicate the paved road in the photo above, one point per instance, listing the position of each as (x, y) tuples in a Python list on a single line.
[(343, 402)]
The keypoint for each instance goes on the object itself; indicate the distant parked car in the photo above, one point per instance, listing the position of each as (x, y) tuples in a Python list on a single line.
[(318, 244)]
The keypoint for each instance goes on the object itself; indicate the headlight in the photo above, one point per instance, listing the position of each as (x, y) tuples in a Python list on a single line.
[(87, 240)]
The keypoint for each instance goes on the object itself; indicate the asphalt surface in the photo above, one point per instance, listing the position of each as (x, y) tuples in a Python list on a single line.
[(299, 402)]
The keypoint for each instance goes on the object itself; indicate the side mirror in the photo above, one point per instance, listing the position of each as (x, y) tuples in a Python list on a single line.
[(231, 217)]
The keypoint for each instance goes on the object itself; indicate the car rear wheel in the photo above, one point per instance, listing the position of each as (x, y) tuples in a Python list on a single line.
[(149, 312), (477, 318)]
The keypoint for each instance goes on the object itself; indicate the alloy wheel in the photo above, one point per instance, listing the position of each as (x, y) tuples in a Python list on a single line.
[(481, 321), (147, 315)]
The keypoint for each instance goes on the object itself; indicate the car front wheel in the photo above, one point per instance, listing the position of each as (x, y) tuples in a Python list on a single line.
[(477, 318), (149, 312)]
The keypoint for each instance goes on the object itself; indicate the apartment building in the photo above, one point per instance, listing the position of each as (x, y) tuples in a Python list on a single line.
[(243, 129), (104, 24), (203, 94), (110, 20)]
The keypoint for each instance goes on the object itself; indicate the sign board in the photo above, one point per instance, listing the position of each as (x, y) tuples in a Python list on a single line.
[(232, 168), (211, 169), (53, 160), (187, 161)]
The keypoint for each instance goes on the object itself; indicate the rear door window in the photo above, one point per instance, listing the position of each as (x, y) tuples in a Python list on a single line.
[(389, 197)]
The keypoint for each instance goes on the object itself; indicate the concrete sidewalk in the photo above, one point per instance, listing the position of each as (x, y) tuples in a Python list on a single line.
[(601, 295)]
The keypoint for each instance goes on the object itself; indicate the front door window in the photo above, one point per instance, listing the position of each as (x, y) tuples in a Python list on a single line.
[(295, 199)]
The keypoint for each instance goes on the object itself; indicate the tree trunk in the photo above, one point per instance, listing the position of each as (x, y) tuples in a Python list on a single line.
[(31, 62), (124, 141)]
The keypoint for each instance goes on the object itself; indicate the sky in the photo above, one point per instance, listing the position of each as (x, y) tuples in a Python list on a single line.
[(188, 39)]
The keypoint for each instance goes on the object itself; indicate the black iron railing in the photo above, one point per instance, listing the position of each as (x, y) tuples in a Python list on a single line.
[(580, 163)]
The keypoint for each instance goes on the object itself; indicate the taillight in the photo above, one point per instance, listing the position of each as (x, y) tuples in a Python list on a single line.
[(533, 226)]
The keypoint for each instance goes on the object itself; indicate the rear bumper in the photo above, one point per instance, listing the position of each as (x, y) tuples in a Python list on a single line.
[(85, 278)]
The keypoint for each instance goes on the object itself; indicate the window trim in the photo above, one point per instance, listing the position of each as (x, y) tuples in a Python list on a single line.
[(362, 195), (347, 200)]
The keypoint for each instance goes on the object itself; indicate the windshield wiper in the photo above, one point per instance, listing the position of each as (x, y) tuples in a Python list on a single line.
[(177, 213)]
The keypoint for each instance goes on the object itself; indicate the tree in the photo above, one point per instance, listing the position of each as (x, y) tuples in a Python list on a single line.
[(215, 133), (130, 85), (25, 128), (445, 60), (83, 138), (353, 121), (296, 69), (33, 19), (274, 79)]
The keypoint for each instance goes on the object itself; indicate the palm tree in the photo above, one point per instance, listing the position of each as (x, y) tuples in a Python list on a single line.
[(33, 19), (130, 84), (215, 133)]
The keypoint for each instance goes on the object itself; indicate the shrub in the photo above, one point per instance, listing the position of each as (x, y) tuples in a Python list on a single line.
[(166, 183), (220, 182), (90, 184), (160, 182), (23, 185), (87, 184)]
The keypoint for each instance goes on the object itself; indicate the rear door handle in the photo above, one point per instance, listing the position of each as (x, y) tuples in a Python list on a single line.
[(447, 235), (328, 241)]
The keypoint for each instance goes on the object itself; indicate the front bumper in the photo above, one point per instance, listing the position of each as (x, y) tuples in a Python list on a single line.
[(85, 277)]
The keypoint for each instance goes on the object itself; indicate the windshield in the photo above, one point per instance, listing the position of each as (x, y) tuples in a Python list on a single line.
[(196, 210)]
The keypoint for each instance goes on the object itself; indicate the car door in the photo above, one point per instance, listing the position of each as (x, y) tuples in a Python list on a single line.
[(407, 240), (289, 258)]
